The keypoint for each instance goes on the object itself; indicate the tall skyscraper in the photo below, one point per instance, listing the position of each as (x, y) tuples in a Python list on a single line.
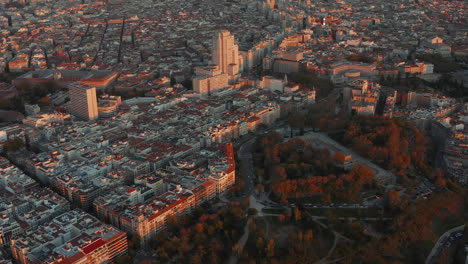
[(224, 67), (83, 101), (225, 53)]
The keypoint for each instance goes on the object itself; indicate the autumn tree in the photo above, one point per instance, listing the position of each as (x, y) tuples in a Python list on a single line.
[(270, 248), (297, 214), (393, 199), (13, 145), (296, 121), (273, 137), (439, 176), (278, 174), (339, 157), (45, 101), (362, 174)]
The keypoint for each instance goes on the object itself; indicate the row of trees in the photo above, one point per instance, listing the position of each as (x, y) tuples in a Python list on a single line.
[(441, 64), (415, 230), (445, 84), (450, 86), (360, 58), (14, 144), (295, 158), (295, 169), (204, 236), (9, 76), (28, 93), (32, 93), (393, 144), (409, 83), (289, 239), (344, 187), (309, 81)]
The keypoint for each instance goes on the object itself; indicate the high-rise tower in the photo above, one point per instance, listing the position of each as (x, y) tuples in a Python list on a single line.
[(225, 53), (83, 101), (224, 67)]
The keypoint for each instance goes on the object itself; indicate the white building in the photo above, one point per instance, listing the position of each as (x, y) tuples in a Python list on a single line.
[(225, 53), (225, 65), (209, 79)]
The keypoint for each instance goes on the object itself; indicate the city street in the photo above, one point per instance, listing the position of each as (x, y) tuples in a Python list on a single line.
[(245, 156)]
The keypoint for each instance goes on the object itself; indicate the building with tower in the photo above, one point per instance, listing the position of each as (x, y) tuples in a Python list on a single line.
[(83, 101), (225, 53)]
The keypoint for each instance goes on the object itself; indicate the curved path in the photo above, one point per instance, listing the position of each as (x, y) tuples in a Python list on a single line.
[(337, 237), (233, 259), (442, 239)]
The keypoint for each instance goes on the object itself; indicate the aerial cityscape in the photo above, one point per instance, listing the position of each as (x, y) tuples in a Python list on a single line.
[(233, 131)]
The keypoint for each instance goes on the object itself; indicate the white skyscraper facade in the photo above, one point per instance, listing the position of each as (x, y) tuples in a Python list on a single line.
[(224, 67), (83, 101)]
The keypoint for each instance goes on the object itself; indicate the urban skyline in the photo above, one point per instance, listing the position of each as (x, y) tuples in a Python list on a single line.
[(249, 131)]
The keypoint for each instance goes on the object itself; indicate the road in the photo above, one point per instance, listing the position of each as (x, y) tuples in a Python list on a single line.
[(245, 155), (437, 249)]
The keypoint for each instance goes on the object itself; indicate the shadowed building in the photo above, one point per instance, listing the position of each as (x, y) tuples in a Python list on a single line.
[(225, 53), (224, 68), (96, 78), (83, 101)]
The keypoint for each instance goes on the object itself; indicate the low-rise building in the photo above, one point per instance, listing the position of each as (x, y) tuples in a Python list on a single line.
[(143, 210), (72, 237)]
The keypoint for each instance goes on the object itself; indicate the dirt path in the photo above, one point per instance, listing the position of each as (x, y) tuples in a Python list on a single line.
[(233, 259)]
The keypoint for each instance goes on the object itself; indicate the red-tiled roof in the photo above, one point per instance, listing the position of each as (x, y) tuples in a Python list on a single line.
[(93, 246)]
